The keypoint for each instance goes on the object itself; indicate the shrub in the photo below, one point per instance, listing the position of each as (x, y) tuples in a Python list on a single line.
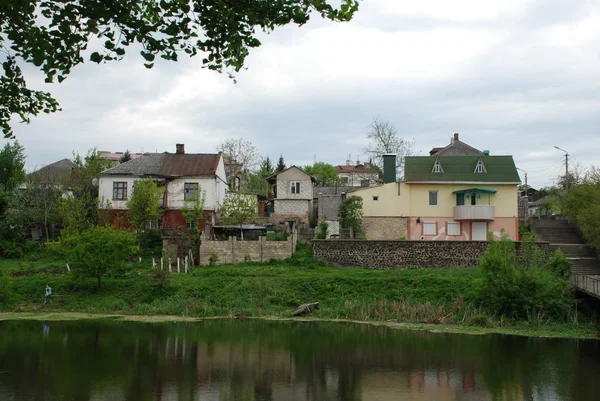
[(5, 287), (520, 288), (31, 246), (213, 259), (323, 228), (10, 250), (277, 236), (559, 265), (150, 242)]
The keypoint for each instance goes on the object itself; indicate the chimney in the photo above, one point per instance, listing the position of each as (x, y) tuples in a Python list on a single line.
[(486, 152), (180, 148), (456, 136), (389, 168), (348, 162)]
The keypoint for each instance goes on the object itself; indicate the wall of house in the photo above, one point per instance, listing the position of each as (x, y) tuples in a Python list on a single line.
[(105, 192), (415, 230), (392, 200), (404, 254), (234, 251), (215, 192), (355, 179), (385, 227), (285, 179), (293, 207), (505, 200)]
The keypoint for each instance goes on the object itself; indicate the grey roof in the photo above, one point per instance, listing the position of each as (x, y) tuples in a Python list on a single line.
[(57, 171), (145, 165), (458, 148)]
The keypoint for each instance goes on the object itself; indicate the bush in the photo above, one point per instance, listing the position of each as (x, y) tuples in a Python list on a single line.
[(213, 259), (277, 236), (5, 287), (559, 265), (518, 287), (150, 242), (31, 247), (10, 250), (323, 228)]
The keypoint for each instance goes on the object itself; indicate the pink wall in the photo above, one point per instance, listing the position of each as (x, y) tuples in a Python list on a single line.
[(415, 230)]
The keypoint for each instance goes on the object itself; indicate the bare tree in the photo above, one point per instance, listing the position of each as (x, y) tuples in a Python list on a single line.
[(383, 138), (241, 153)]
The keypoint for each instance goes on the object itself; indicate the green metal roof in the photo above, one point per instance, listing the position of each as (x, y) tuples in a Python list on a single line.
[(461, 169), (475, 190)]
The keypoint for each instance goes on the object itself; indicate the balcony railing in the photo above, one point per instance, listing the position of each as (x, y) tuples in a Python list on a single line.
[(478, 212)]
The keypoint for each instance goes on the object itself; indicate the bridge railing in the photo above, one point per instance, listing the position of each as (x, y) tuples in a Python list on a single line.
[(585, 283)]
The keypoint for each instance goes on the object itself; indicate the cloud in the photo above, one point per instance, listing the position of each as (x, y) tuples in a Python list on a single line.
[(515, 77)]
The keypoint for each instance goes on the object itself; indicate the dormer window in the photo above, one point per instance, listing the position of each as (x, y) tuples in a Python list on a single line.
[(437, 167), (480, 167)]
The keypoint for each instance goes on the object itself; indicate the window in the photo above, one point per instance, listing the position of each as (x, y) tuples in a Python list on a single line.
[(190, 225), (453, 228), (152, 224), (429, 228), (364, 183), (344, 180), (296, 187), (433, 198), (376, 197), (119, 190), (480, 168), (460, 199), (190, 191), (437, 167)]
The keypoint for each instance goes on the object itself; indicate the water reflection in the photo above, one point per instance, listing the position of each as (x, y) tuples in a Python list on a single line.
[(255, 360)]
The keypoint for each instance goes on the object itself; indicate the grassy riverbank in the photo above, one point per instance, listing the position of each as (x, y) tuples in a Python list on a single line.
[(416, 298)]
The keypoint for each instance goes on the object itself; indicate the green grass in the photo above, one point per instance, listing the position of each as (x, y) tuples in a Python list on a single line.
[(420, 298)]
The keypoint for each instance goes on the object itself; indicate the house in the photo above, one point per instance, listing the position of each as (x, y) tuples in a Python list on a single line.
[(182, 175), (358, 175), (456, 193), (57, 173), (291, 192)]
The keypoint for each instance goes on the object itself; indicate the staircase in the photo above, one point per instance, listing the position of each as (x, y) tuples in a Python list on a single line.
[(561, 235)]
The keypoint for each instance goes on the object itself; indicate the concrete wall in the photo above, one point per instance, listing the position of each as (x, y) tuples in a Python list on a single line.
[(385, 200), (293, 208), (385, 228), (403, 254), (415, 230), (234, 251)]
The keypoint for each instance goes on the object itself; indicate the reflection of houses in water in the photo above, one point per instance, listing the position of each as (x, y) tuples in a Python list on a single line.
[(220, 371)]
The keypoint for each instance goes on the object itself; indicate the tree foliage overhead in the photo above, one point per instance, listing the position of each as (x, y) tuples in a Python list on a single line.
[(324, 173), (54, 35), (384, 139), (239, 155)]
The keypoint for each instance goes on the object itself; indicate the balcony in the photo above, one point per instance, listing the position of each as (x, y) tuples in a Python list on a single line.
[(479, 212)]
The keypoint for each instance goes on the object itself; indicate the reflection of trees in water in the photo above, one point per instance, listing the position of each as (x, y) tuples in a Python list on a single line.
[(255, 360)]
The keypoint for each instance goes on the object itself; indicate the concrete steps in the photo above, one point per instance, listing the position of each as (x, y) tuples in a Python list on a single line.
[(574, 250), (588, 266)]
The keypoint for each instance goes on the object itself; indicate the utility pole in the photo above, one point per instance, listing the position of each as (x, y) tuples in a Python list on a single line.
[(526, 187), (566, 166)]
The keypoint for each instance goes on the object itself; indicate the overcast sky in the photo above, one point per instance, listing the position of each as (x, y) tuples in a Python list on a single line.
[(513, 76)]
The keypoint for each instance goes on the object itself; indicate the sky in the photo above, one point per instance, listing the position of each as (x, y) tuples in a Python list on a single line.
[(516, 77)]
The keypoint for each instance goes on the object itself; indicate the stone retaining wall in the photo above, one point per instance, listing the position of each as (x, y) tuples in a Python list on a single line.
[(404, 254), (234, 251)]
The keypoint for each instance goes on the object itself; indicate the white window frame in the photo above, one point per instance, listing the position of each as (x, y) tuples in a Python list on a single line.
[(427, 225), (152, 224), (453, 224), (480, 167), (437, 200), (295, 188), (191, 225), (437, 167)]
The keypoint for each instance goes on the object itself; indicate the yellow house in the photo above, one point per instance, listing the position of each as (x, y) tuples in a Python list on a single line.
[(456, 193)]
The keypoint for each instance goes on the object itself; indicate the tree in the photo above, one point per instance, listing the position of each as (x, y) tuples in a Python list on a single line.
[(239, 153), (383, 139), (99, 250), (12, 166), (256, 183), (238, 208), (324, 173), (144, 203), (581, 205), (350, 214), (126, 156), (193, 209), (80, 210), (54, 36), (280, 164)]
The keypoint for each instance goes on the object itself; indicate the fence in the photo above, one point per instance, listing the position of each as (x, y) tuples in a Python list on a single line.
[(587, 284), (234, 251), (182, 264)]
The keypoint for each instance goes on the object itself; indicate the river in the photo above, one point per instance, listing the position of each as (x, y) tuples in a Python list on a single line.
[(267, 360)]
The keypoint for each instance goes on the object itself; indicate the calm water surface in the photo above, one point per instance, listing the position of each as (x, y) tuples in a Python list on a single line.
[(280, 361)]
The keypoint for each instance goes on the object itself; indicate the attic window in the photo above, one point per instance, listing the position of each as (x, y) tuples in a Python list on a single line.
[(437, 167), (480, 168)]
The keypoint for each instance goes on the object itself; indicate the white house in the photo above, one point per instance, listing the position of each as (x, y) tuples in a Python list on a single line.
[(182, 174)]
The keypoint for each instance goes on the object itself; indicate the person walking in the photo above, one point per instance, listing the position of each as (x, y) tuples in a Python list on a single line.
[(48, 294)]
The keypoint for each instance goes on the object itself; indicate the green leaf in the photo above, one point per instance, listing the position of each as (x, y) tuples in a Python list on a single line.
[(95, 57)]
